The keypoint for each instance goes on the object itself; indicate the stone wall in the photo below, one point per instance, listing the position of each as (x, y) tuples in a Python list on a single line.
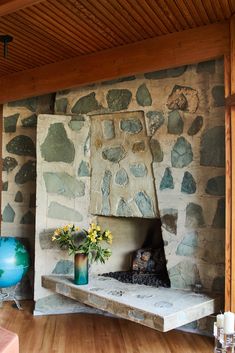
[(19, 174)]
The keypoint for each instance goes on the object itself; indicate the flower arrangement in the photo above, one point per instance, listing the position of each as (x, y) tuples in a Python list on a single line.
[(84, 241)]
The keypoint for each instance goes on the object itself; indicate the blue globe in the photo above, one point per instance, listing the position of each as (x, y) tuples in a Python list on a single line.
[(14, 261)]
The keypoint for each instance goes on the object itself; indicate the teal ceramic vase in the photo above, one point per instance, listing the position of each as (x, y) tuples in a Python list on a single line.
[(80, 269)]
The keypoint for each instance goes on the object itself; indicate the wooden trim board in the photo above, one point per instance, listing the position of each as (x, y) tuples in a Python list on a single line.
[(9, 6)]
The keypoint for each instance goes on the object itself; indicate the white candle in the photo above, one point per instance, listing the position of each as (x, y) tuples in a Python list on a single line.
[(228, 323), (220, 320)]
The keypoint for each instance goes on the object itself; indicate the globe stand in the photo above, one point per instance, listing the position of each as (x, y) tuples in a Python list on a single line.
[(11, 296)]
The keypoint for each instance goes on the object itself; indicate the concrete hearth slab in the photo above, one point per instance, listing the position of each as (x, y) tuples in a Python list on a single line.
[(160, 308)]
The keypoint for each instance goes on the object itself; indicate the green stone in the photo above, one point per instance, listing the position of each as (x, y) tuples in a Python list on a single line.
[(64, 267), (86, 104), (175, 123), (118, 99), (61, 105), (29, 103), (114, 154), (155, 120), (167, 180), (218, 95), (138, 147), (63, 184), (76, 123), (10, 123), (184, 275), (121, 177), (196, 126), (61, 212), (32, 200), (123, 210), (108, 129), (5, 186), (212, 150), (131, 126), (188, 245), (57, 147), (188, 184), (206, 67), (194, 216), (8, 215), (156, 151), (219, 218), (84, 169), (9, 163), (28, 218), (143, 97), (182, 154), (21, 145), (144, 204), (168, 73), (86, 148), (18, 197), (26, 173), (216, 186), (169, 219), (105, 189), (139, 170), (30, 122)]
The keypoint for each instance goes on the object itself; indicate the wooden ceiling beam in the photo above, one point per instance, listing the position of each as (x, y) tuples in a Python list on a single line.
[(168, 51), (9, 6)]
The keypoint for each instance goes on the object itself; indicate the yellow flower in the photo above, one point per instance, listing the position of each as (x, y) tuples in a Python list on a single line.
[(53, 238), (93, 226), (65, 228), (99, 238), (77, 229), (98, 228)]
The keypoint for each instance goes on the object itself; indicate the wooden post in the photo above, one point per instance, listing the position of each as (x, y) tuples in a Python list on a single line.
[(1, 129)]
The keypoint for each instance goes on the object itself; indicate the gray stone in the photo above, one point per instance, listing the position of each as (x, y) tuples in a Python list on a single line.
[(184, 275), (114, 154), (194, 216), (26, 173), (188, 245), (156, 150), (138, 147), (30, 121), (139, 170), (10, 123), (118, 99), (144, 204), (8, 214), (28, 218), (76, 123), (182, 154), (218, 284), (183, 98), (206, 67), (29, 103), (118, 80), (155, 121), (169, 219), (213, 147), (86, 148), (121, 177), (86, 104), (22, 146), (188, 184), (123, 210), (9, 163), (216, 186), (84, 169), (18, 197), (219, 218), (105, 189), (108, 129), (32, 200), (46, 242), (5, 186), (131, 126), (58, 211), (64, 267), (143, 97), (64, 184), (168, 73), (57, 147), (218, 95), (167, 180), (196, 126), (61, 105), (175, 123)]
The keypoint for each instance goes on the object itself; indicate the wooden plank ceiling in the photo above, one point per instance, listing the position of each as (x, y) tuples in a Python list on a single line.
[(48, 31)]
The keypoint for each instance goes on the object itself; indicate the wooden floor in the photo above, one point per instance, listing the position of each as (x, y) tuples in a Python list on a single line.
[(83, 333)]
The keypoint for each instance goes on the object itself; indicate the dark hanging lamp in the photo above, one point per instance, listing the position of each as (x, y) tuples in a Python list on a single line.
[(5, 39)]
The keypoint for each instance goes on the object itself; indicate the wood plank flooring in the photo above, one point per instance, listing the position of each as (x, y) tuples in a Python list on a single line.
[(83, 333)]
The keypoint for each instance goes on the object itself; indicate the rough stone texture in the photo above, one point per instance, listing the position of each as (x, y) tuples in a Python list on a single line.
[(206, 67), (121, 177), (168, 73), (123, 210), (183, 98), (28, 218), (5, 186), (117, 80), (8, 214), (64, 267), (57, 147), (167, 180), (213, 147), (195, 126), (26, 173), (218, 284), (105, 189), (133, 126), (108, 129), (138, 170), (76, 123), (10, 122), (169, 219), (218, 96), (175, 123), (188, 184), (188, 245), (184, 275), (22, 146), (114, 154), (216, 186), (18, 197), (9, 163), (219, 218), (143, 96), (64, 184), (118, 99), (30, 121), (155, 120), (182, 154), (156, 150), (86, 104), (138, 147), (59, 211), (61, 105), (144, 204), (194, 216), (84, 169)]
